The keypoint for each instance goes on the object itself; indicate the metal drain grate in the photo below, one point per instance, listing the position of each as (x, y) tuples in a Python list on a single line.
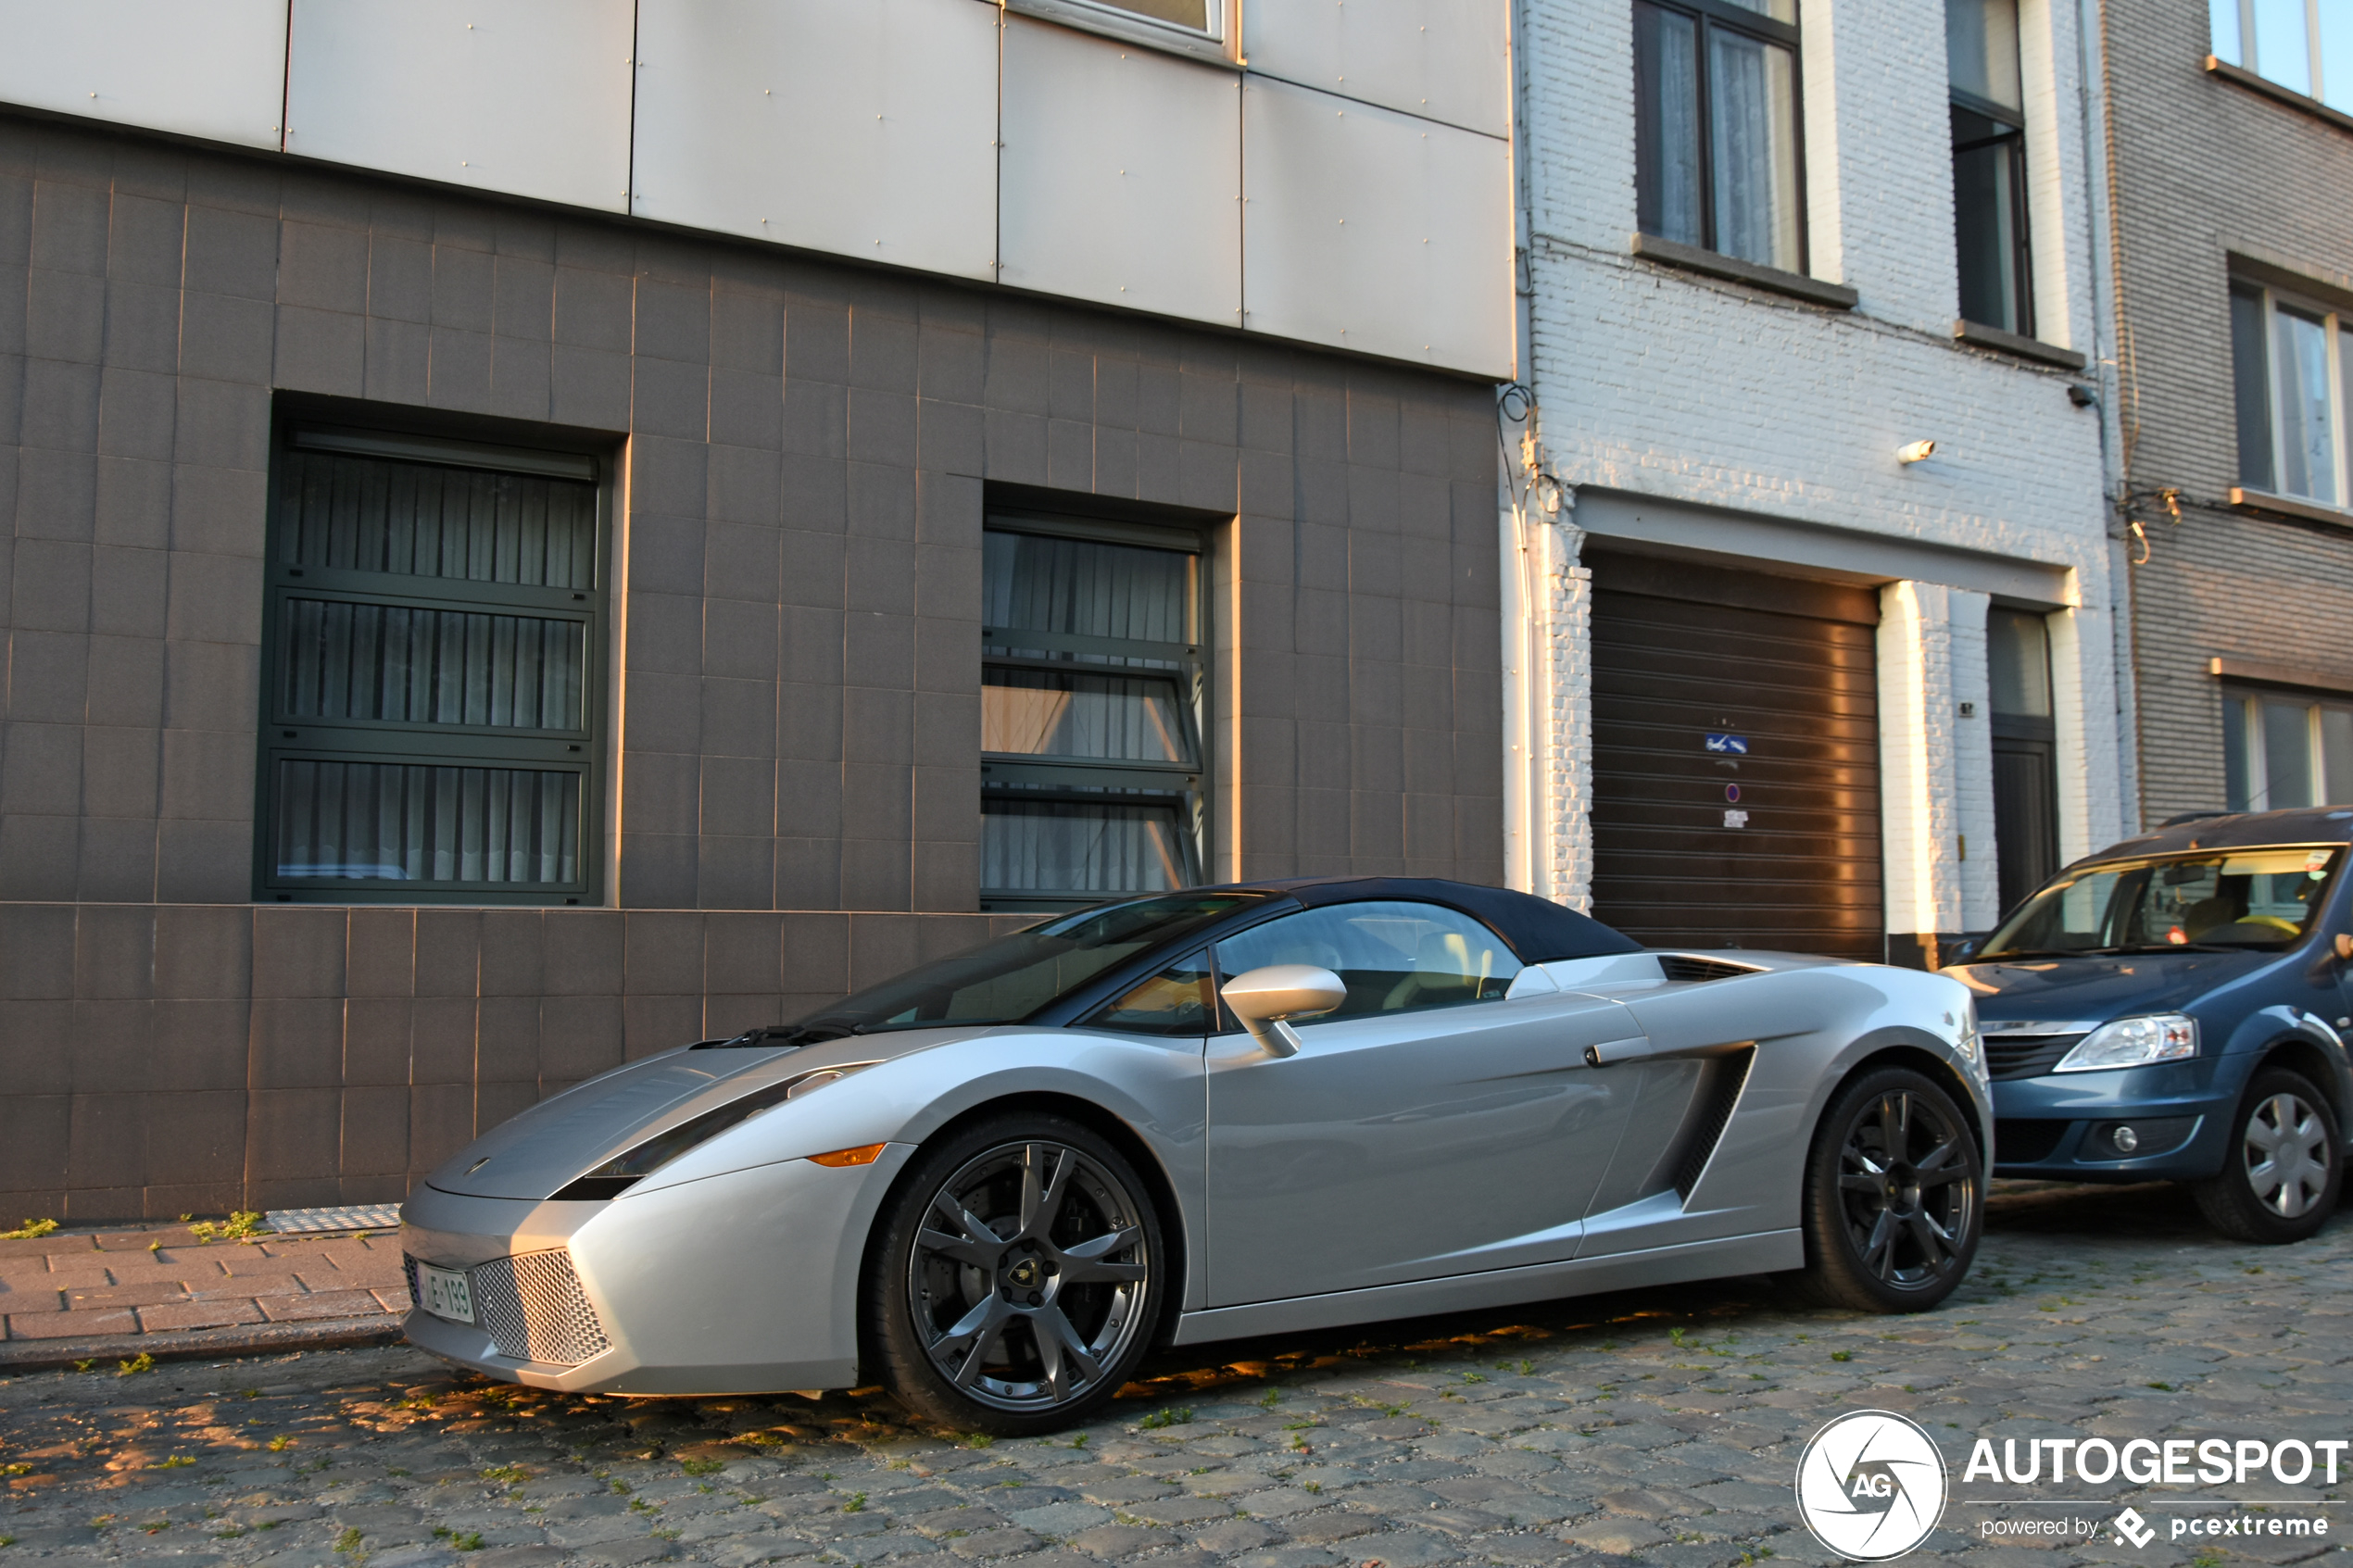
[(534, 1309)]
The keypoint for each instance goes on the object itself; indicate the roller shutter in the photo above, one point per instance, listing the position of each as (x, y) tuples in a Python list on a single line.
[(1735, 758)]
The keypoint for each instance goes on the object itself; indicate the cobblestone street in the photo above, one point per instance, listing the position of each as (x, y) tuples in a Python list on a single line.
[(1660, 1426)]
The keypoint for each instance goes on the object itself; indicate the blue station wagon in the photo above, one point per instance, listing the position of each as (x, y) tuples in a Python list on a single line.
[(2176, 1007)]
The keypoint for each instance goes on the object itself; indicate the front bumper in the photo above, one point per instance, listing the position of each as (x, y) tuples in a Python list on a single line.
[(738, 1284), (2060, 1127)]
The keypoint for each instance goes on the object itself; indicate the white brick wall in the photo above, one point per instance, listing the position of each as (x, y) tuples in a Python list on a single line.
[(1668, 384)]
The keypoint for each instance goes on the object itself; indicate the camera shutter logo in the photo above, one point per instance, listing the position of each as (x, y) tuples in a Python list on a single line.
[(1870, 1485)]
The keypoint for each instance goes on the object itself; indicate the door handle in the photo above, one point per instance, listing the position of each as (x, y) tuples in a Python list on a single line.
[(1611, 1053)]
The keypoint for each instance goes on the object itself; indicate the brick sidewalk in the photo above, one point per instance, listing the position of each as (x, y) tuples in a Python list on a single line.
[(162, 1280)]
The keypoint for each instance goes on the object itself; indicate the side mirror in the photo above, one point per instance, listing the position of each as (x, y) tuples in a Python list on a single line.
[(1960, 951), (1263, 999)]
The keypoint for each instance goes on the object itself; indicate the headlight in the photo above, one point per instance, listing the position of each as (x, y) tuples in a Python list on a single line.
[(616, 1175), (2133, 1042)]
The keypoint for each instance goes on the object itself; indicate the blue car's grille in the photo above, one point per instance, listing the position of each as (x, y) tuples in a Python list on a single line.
[(2026, 1141), (2024, 1056)]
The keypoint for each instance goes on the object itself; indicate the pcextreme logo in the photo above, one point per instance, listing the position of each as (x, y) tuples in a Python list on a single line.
[(1870, 1485)]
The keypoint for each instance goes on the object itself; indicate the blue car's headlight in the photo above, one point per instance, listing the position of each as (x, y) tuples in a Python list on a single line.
[(2133, 1042)]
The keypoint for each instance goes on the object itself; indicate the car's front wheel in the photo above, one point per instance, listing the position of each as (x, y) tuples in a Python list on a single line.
[(1018, 1276), (2281, 1173), (1894, 1196)]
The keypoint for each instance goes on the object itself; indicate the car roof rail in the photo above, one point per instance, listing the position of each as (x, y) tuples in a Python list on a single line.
[(2180, 817)]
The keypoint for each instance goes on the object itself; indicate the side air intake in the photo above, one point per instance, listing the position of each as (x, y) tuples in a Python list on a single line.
[(1729, 1072)]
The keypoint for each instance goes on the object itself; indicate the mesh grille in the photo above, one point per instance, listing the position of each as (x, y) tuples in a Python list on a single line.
[(534, 1309), (416, 1295)]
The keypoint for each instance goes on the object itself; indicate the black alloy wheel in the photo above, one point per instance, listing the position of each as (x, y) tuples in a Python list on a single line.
[(1894, 1196), (1015, 1280), (2282, 1169)]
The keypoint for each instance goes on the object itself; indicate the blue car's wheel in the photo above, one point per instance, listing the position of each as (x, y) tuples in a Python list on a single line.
[(1016, 1278), (2282, 1171), (1893, 1198)]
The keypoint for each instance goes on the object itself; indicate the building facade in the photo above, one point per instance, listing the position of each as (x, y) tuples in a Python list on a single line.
[(543, 532), (2229, 135), (1810, 532)]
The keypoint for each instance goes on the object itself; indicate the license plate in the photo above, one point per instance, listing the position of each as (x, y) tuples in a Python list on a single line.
[(447, 1293)]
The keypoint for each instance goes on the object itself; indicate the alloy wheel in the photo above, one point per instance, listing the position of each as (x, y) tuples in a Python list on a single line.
[(1906, 1190), (1030, 1276), (2285, 1146)]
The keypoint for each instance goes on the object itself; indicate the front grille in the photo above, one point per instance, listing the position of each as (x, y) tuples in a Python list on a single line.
[(2026, 1140), (534, 1309), (2024, 1056)]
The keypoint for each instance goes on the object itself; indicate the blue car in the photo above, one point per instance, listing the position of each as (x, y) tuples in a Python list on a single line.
[(2176, 1007)]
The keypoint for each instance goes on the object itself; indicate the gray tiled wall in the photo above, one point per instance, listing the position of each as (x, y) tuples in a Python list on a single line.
[(810, 448), (2205, 169)]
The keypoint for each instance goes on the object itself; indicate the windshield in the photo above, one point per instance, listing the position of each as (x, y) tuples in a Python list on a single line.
[(1014, 977), (2220, 898)]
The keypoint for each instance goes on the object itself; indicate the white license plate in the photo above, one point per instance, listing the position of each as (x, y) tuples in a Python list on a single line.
[(447, 1293)]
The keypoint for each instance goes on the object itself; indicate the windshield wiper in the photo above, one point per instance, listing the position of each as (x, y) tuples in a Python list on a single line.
[(2174, 947)]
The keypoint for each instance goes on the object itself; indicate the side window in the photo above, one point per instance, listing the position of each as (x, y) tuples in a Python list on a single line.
[(1178, 1000), (1394, 956)]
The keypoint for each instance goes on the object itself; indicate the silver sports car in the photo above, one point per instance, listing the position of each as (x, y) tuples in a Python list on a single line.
[(996, 1181)]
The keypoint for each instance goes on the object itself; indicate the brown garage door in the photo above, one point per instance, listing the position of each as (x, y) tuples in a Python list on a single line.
[(1735, 758)]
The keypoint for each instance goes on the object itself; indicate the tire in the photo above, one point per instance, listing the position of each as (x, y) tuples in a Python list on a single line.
[(1878, 1237), (2283, 1170), (1018, 1276)]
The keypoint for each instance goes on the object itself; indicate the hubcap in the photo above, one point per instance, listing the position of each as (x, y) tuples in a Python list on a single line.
[(1907, 1190), (2286, 1150), (1029, 1276)]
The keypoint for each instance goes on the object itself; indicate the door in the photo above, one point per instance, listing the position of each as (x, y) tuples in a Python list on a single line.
[(1431, 1125), (1735, 758), (2018, 666)]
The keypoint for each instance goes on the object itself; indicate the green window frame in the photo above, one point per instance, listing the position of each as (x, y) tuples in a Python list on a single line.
[(1094, 685), (434, 642)]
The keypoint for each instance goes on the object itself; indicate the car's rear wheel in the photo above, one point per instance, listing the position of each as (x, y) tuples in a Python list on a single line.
[(1894, 1196), (2282, 1171), (1016, 1279)]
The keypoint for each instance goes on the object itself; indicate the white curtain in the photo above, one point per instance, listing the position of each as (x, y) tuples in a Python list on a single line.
[(1754, 149)]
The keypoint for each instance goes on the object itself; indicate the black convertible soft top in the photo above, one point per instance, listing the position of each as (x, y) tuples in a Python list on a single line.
[(1538, 930)]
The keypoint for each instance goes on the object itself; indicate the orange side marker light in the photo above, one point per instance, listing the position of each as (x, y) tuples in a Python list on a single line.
[(841, 1157)]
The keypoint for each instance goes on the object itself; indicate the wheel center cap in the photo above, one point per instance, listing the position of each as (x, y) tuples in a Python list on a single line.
[(1025, 1274)]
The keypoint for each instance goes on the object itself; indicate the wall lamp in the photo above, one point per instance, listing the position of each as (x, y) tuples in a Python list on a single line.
[(1915, 452)]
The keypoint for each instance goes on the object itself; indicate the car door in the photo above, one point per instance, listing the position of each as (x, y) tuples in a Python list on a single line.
[(1434, 1124)]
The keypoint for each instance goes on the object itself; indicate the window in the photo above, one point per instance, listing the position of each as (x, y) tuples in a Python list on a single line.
[(2287, 358), (1199, 28), (432, 660), (2306, 48), (1092, 680), (1715, 140), (1989, 163), (1394, 956), (2017, 658), (2284, 751)]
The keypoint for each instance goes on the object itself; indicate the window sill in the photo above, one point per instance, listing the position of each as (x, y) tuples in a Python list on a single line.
[(1692, 259), (1977, 335), (1129, 29), (2269, 88), (2288, 506)]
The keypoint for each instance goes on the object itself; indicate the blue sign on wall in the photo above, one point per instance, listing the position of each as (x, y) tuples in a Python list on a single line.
[(1729, 743)]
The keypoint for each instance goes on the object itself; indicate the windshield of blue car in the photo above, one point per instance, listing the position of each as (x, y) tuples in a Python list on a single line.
[(1015, 977), (2220, 898)]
